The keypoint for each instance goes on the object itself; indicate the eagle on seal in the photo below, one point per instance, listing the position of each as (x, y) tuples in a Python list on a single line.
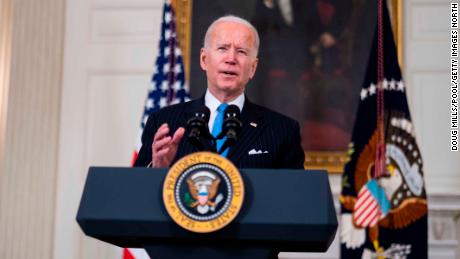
[(203, 188)]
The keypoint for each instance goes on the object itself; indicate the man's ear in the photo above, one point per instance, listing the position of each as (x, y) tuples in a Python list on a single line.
[(203, 60), (253, 68)]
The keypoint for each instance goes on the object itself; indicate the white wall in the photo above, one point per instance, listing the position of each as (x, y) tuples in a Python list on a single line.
[(31, 53), (427, 75), (426, 72), (110, 48)]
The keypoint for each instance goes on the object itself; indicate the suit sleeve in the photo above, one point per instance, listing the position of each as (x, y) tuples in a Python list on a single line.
[(295, 155), (145, 154)]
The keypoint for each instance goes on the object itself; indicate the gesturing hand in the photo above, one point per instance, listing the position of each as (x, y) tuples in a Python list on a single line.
[(164, 148)]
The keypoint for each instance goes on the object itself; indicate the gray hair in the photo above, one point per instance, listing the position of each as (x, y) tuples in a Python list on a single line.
[(235, 19)]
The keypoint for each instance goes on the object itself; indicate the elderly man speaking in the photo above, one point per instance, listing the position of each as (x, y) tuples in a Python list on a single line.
[(229, 57)]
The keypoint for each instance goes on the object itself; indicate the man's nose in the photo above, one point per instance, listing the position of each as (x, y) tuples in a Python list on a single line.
[(231, 56)]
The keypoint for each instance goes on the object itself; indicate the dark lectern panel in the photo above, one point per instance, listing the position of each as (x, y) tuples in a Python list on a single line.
[(289, 210)]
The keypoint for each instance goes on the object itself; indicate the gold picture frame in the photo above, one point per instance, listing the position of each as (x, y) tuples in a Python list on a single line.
[(332, 161)]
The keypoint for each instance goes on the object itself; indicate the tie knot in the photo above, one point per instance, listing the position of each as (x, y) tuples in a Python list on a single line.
[(222, 107)]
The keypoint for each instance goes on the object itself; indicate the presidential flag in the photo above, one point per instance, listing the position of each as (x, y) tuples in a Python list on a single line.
[(168, 86), (383, 200)]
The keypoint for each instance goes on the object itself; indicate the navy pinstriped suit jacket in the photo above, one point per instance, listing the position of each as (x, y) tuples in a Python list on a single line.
[(275, 135)]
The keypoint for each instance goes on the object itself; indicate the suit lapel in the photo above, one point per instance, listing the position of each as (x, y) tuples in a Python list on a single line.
[(253, 125)]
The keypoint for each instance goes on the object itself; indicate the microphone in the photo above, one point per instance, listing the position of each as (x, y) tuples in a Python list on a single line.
[(197, 126), (231, 127)]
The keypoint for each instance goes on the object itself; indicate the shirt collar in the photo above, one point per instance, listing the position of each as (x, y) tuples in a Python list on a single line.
[(212, 103)]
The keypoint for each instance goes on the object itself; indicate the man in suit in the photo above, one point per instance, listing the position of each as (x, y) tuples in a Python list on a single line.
[(267, 139), (229, 58)]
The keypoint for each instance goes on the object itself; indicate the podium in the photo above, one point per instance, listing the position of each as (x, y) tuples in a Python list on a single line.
[(283, 210)]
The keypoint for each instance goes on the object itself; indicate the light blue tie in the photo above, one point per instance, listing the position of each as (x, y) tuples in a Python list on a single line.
[(217, 127)]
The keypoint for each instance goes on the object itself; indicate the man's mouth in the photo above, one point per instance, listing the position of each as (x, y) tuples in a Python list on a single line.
[(229, 73)]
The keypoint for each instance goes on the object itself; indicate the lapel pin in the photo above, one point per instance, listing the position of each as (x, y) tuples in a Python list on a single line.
[(253, 124)]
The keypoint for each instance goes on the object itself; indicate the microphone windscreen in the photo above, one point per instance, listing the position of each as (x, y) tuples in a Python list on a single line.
[(232, 111), (202, 112)]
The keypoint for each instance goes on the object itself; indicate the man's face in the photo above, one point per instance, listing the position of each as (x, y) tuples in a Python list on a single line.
[(229, 59)]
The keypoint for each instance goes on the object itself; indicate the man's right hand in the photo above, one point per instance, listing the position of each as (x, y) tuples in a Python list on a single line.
[(164, 148)]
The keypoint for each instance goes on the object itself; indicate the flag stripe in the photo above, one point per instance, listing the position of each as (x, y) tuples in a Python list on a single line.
[(375, 220), (364, 205), (369, 216), (370, 210), (365, 197)]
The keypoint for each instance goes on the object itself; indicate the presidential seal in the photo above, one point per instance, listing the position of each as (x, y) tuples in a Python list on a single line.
[(203, 192)]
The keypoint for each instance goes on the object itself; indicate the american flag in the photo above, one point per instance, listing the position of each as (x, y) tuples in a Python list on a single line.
[(168, 86), (168, 80)]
